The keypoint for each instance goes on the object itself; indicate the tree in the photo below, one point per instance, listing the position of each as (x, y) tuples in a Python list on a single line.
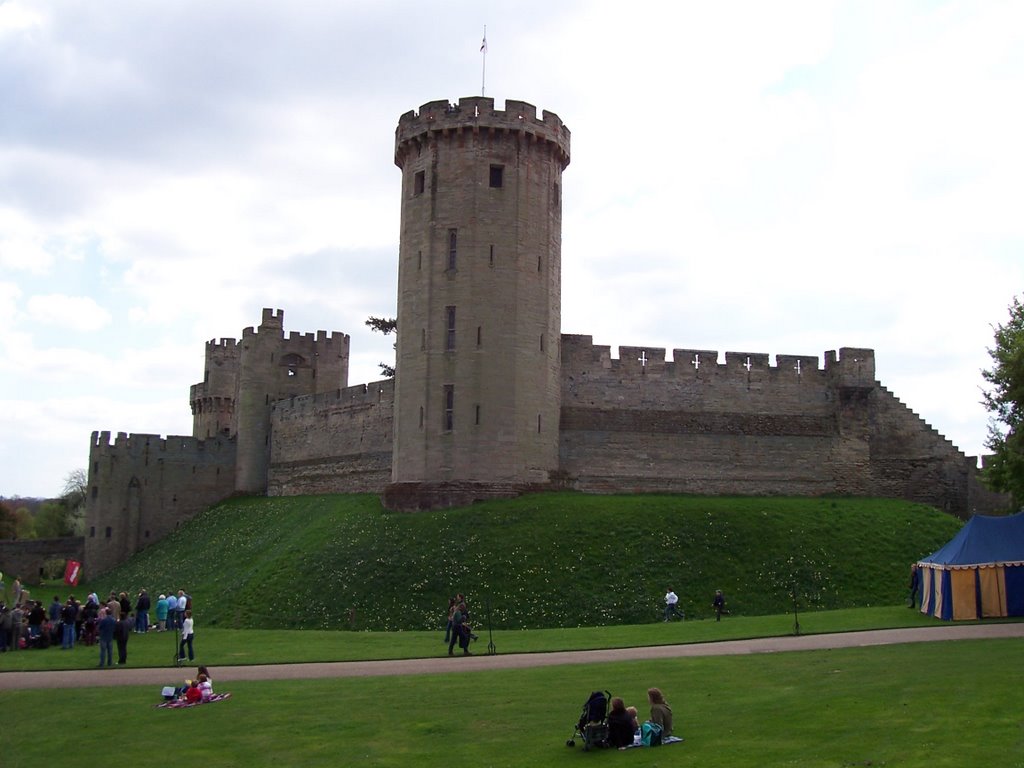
[(24, 524), (76, 487), (7, 523), (387, 326), (1004, 400), (53, 520)]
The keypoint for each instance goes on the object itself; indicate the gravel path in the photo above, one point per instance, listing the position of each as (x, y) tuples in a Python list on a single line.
[(446, 665)]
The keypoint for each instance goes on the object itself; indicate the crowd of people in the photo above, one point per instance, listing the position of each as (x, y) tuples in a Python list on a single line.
[(108, 623)]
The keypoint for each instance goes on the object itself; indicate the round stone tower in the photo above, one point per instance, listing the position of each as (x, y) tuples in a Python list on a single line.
[(477, 390)]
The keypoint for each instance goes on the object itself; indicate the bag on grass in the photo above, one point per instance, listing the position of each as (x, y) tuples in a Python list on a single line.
[(650, 734)]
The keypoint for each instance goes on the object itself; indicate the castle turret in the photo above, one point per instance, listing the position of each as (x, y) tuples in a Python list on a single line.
[(270, 368), (213, 399), (477, 396)]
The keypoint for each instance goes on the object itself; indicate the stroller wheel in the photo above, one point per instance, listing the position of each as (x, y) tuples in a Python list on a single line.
[(570, 743)]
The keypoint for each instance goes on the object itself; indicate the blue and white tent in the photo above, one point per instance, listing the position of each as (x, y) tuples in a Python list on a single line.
[(979, 573)]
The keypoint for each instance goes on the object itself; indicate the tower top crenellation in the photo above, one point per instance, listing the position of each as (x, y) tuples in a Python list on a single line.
[(477, 113)]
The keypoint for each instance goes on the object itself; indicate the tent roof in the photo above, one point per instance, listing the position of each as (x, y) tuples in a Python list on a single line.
[(984, 540)]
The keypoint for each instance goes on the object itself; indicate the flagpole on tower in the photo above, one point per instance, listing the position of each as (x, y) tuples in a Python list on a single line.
[(483, 74)]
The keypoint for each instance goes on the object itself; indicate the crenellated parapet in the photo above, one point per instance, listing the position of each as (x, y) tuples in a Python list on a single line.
[(851, 367), (134, 445), (356, 396), (476, 114)]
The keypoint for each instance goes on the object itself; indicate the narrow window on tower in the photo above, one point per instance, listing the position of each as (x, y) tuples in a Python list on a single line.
[(449, 407), (477, 415), (419, 259), (538, 423), (421, 417), (497, 171), (450, 336), (492, 255), (538, 263), (419, 182), (479, 335), (453, 241), (423, 339), (542, 342)]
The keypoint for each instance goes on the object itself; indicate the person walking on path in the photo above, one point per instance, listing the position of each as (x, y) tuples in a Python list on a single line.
[(718, 604), (671, 601)]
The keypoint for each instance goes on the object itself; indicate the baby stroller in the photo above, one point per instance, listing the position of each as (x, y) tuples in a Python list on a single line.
[(593, 723)]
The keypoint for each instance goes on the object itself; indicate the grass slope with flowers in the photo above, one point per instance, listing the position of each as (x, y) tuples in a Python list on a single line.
[(538, 561)]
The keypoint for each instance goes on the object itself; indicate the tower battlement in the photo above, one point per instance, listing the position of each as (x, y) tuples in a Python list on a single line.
[(475, 114), (852, 366)]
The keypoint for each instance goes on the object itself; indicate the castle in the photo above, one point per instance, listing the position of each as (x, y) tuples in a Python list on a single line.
[(490, 399)]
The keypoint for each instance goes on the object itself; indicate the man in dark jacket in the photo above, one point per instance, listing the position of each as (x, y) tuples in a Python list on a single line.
[(106, 633), (121, 633), (142, 605), (69, 617)]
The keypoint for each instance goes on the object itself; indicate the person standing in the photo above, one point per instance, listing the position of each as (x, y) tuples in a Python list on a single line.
[(671, 601), (55, 609), (142, 604), (161, 613), (457, 630), (69, 616), (121, 633), (718, 604), (106, 629), (187, 633), (114, 606), (180, 607)]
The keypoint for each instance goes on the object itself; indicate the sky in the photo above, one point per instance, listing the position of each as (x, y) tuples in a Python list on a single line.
[(782, 178)]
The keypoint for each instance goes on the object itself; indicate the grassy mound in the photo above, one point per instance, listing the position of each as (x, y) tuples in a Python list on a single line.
[(546, 560)]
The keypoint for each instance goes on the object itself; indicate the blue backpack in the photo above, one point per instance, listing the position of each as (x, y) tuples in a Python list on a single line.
[(650, 734)]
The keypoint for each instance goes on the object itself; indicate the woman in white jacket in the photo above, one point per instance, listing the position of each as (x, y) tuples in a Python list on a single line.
[(187, 633)]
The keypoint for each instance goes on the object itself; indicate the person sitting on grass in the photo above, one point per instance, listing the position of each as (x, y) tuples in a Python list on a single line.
[(661, 712), (205, 688), (621, 725), (192, 694)]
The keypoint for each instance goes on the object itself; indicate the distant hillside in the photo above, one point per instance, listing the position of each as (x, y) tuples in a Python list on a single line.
[(546, 560)]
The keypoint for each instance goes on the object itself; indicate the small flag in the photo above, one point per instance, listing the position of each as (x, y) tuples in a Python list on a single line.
[(483, 45), (72, 572)]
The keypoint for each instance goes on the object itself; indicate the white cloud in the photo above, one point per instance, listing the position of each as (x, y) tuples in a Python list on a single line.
[(74, 313)]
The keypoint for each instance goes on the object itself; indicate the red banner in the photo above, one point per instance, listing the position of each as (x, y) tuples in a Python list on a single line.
[(72, 572)]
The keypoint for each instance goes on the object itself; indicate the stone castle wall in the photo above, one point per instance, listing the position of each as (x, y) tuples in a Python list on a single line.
[(141, 487), (335, 442), (25, 558), (640, 423)]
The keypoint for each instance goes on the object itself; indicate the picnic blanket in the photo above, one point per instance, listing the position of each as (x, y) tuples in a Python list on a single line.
[(665, 741), (181, 703)]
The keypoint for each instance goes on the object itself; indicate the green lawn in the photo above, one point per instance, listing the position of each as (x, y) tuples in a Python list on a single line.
[(932, 704)]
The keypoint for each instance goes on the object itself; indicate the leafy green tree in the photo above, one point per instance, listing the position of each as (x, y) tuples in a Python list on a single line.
[(1004, 400), (7, 523), (24, 524), (53, 520), (387, 326)]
